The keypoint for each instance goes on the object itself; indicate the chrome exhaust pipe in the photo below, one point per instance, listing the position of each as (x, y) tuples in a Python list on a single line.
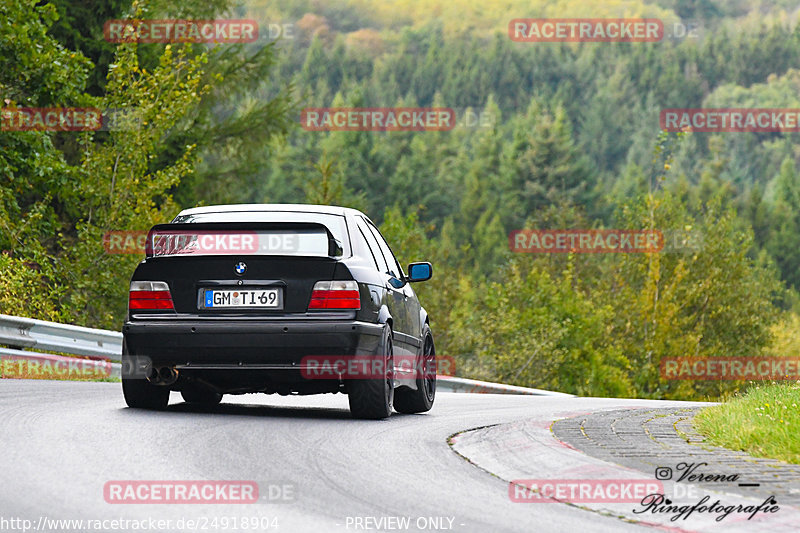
[(167, 375), (151, 373), (162, 376)]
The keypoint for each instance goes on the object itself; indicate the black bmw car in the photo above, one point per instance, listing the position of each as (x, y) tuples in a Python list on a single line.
[(286, 299)]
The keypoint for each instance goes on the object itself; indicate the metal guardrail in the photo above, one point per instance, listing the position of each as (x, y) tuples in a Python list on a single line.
[(474, 386), (18, 332)]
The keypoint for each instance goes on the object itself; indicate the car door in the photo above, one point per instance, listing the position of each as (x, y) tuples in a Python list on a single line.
[(406, 334), (394, 296), (391, 296)]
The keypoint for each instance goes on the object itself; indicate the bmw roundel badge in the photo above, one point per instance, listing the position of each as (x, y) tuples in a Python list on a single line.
[(240, 268)]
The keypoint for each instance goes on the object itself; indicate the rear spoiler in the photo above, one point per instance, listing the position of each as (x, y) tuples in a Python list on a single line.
[(235, 238)]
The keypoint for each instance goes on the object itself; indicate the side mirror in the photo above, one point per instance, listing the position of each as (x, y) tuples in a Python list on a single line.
[(419, 272)]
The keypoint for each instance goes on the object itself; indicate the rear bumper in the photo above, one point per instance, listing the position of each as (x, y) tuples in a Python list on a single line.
[(232, 344)]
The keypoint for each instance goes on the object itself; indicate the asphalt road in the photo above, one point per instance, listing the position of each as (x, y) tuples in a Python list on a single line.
[(61, 442)]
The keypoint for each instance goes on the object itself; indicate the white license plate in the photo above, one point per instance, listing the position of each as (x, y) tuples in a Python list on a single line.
[(264, 298)]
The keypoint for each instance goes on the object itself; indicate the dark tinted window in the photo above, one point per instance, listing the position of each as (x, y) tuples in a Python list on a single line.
[(394, 266), (335, 223), (363, 239), (373, 245)]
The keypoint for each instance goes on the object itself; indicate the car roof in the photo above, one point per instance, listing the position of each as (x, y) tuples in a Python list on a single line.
[(254, 208)]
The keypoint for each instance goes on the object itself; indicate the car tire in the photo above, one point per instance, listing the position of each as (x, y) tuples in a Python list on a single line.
[(373, 398), (201, 396), (408, 401), (138, 392)]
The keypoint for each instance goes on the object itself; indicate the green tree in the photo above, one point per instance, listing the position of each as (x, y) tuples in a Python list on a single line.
[(784, 243)]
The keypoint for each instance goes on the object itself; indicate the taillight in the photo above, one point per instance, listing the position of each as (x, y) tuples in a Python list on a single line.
[(151, 295), (335, 295)]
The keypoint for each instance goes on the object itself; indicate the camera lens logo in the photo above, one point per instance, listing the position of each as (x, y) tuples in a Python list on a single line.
[(240, 268), (663, 473)]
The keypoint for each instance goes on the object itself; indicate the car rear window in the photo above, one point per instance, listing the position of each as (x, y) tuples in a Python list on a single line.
[(335, 223)]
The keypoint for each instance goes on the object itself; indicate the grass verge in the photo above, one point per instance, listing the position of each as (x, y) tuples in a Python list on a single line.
[(764, 422)]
